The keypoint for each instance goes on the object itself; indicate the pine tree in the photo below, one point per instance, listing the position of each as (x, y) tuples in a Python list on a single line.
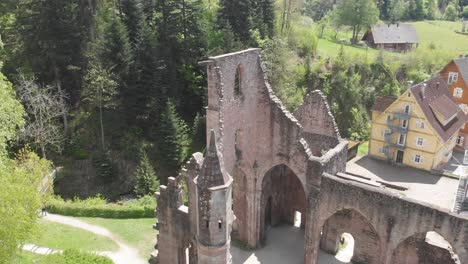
[(116, 54), (146, 180), (144, 93), (237, 15), (264, 19), (52, 43), (172, 140), (133, 18), (198, 134)]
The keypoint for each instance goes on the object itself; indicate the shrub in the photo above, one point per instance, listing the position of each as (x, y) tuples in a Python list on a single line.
[(73, 256), (98, 207), (465, 12), (451, 13)]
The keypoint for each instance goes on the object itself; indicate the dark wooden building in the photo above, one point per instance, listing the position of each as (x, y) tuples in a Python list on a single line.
[(392, 37)]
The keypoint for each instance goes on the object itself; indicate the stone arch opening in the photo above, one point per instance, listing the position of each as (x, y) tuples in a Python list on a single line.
[(427, 248), (367, 246), (346, 249), (282, 198)]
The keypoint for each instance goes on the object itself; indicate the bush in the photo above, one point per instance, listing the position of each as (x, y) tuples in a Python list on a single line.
[(451, 13), (98, 207), (465, 12), (73, 256)]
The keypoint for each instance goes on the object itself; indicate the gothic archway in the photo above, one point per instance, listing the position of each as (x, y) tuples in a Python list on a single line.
[(366, 240), (283, 199), (425, 248)]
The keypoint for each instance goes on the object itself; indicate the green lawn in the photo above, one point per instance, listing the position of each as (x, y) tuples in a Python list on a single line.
[(440, 33), (58, 236), (363, 148), (138, 233), (25, 257)]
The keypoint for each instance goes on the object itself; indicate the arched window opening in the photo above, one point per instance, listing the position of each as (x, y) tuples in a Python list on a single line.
[(207, 224), (187, 255), (220, 224), (346, 248), (297, 219), (238, 81)]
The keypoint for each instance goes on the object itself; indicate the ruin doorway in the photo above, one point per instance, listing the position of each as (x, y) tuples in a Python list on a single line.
[(366, 242), (427, 248), (283, 200)]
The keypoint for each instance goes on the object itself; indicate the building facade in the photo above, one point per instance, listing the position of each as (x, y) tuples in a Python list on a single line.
[(456, 76), (418, 129), (392, 37)]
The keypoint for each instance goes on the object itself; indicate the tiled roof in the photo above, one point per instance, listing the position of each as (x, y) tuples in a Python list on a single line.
[(394, 33), (462, 64), (436, 94), (382, 102)]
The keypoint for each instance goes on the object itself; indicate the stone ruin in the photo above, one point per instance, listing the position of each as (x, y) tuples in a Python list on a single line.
[(264, 164)]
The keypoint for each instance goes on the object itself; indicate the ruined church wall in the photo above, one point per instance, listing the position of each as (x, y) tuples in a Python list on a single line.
[(394, 218)]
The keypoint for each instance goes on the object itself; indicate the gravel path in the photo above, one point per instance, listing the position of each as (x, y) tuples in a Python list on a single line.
[(125, 255)]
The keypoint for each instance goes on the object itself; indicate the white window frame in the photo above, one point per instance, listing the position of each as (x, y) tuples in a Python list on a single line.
[(458, 92), (460, 140), (399, 139), (407, 109), (404, 123), (452, 77), (417, 158), (419, 141)]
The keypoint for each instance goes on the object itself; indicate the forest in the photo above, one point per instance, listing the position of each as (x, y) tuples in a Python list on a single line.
[(110, 92)]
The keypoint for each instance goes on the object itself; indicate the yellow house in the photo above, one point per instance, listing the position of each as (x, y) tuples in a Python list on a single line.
[(417, 129)]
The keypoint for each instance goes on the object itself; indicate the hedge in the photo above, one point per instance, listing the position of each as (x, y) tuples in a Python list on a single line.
[(90, 208), (72, 256)]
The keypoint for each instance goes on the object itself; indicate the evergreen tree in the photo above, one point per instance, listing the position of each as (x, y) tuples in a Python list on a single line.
[(198, 134), (237, 15), (133, 18), (432, 10), (172, 141), (264, 19), (146, 180), (52, 43), (181, 45), (144, 93), (419, 11), (115, 51)]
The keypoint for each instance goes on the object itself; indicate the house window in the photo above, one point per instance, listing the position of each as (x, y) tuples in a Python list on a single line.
[(407, 109), (389, 117), (401, 139), (419, 141), (458, 92), (460, 140), (464, 108), (417, 159), (453, 77), (420, 124), (405, 124), (382, 150), (409, 94)]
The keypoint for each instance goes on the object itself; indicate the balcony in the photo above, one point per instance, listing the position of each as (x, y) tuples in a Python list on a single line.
[(396, 128), (392, 143), (401, 115)]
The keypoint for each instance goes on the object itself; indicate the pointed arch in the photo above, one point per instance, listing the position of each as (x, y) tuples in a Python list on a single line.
[(427, 248), (367, 247)]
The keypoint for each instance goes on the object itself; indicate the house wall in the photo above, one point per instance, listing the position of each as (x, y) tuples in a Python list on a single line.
[(432, 151), (452, 67)]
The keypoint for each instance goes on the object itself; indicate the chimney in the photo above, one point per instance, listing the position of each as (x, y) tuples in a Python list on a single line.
[(423, 91), (409, 83)]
